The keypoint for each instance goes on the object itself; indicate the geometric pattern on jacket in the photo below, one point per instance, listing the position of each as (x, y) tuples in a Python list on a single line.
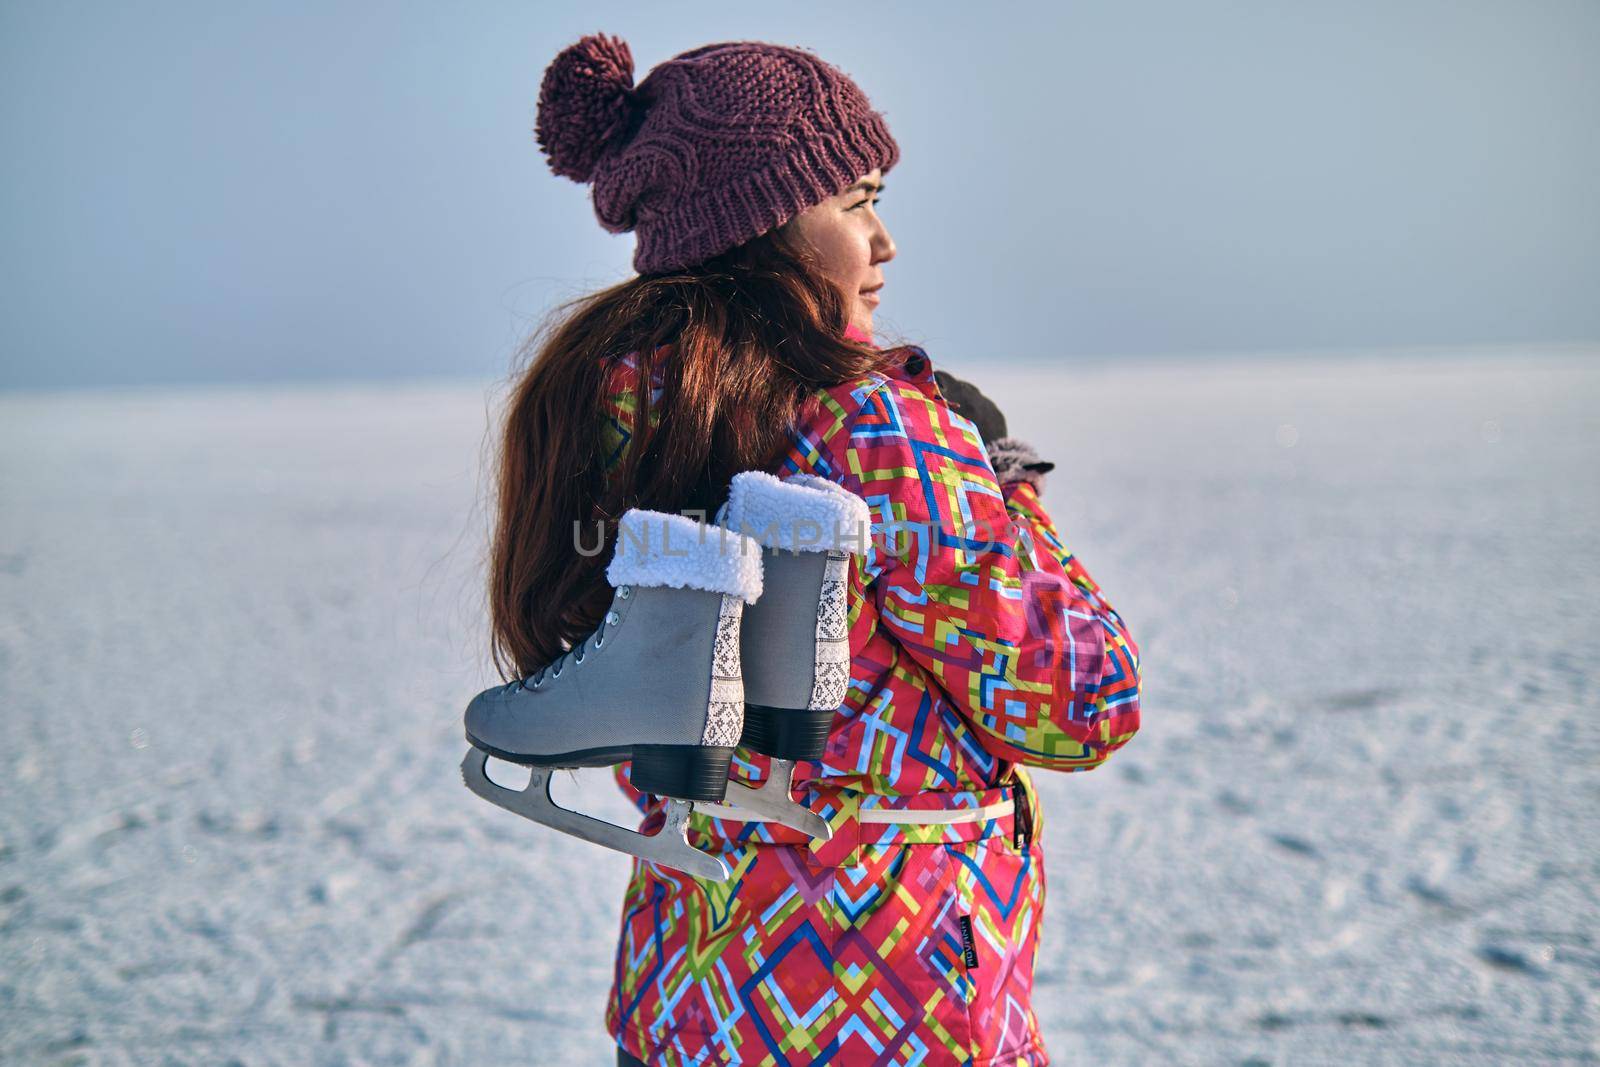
[(980, 646)]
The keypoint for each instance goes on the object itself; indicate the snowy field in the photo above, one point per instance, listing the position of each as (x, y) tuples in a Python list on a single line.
[(238, 628)]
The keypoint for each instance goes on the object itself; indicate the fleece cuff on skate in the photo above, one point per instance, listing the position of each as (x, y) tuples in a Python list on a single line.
[(659, 548), (804, 513)]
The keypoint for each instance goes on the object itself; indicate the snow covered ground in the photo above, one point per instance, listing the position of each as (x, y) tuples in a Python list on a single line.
[(238, 627)]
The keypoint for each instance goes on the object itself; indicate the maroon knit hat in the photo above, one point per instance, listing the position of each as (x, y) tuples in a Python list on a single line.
[(717, 145)]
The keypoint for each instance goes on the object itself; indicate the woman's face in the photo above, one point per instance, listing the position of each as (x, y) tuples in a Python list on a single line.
[(850, 243)]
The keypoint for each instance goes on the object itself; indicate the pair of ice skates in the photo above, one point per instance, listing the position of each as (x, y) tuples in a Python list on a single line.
[(710, 643)]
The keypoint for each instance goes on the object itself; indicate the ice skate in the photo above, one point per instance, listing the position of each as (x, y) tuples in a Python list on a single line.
[(796, 642), (658, 682)]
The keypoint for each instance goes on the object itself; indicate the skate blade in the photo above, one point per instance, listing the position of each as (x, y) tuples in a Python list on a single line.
[(771, 800), (668, 847)]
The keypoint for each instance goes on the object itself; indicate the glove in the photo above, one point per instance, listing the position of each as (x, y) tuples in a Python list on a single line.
[(1013, 459)]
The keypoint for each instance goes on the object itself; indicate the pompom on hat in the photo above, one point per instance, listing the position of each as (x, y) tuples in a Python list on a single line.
[(716, 146)]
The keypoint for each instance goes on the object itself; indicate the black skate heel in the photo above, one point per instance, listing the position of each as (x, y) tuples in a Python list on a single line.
[(786, 733), (687, 772)]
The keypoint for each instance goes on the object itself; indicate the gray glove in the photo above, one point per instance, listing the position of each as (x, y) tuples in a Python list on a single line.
[(1013, 459)]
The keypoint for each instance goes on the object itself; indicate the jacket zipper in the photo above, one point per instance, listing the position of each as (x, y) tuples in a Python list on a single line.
[(1021, 818)]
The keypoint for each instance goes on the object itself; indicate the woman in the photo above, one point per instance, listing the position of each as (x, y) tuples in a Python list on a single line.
[(750, 175)]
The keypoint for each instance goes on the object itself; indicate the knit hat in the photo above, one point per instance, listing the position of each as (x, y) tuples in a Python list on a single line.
[(716, 146)]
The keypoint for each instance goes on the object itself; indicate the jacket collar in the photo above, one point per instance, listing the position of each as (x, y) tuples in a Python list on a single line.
[(911, 363), (914, 365)]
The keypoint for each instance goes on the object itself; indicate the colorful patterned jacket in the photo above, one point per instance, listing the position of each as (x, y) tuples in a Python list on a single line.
[(979, 645)]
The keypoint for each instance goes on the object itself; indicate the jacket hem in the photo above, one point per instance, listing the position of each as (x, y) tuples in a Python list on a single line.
[(1031, 1054)]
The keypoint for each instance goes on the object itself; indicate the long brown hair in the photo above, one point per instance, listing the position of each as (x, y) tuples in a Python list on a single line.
[(749, 336)]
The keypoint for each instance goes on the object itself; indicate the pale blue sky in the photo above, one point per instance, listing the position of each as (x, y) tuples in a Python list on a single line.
[(254, 191)]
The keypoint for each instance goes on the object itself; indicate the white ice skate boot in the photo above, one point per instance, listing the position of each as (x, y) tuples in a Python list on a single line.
[(658, 682), (796, 642)]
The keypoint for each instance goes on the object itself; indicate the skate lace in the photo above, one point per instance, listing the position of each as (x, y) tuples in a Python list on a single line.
[(553, 668)]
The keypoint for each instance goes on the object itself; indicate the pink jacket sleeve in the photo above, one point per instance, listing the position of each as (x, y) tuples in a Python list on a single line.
[(974, 583)]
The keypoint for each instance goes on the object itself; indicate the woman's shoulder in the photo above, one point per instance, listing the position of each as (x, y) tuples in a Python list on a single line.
[(830, 409), (903, 363), (829, 413), (837, 421), (907, 373)]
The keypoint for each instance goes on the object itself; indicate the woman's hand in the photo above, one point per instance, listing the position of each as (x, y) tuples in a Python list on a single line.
[(1013, 459)]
